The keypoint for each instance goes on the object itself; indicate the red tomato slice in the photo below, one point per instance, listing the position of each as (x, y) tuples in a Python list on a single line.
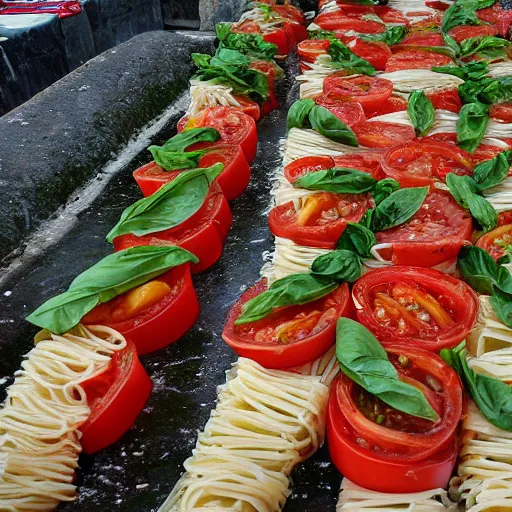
[(505, 218), (497, 17), (432, 236), (496, 241), (289, 12), (269, 69), (378, 134), (445, 99), (233, 180), (203, 234), (367, 162), (402, 453), (423, 162), (279, 36), (235, 127), (159, 325), (435, 311), (501, 112), (392, 104), (389, 15), (416, 59), (376, 53), (116, 397), (369, 92), (430, 23), (337, 20), (291, 336), (321, 220), (310, 49), (419, 39), (463, 32), (349, 112)]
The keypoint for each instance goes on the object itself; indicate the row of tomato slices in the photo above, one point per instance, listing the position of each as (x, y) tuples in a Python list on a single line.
[(414, 311), (162, 310)]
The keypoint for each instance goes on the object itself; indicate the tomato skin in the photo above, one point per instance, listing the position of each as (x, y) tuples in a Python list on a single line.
[(505, 218), (497, 17), (501, 112), (114, 413), (233, 179), (393, 104), (281, 39), (167, 321), (416, 59), (234, 126), (282, 223), (463, 32), (367, 470), (376, 53), (296, 353), (486, 242), (349, 112), (369, 92), (378, 134), (310, 49), (338, 20), (441, 158), (462, 298), (445, 99), (420, 39), (203, 234)]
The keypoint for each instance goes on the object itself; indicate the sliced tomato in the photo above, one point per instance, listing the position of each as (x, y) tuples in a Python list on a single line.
[(269, 69), (337, 20), (497, 241), (378, 134), (404, 304), (419, 39), (278, 36), (291, 336), (376, 53), (423, 162), (203, 234), (463, 32), (434, 234), (235, 127), (385, 450), (349, 112), (310, 49), (438, 4), (233, 180), (505, 218), (158, 324), (390, 15), (393, 104), (369, 92), (501, 112), (366, 162), (290, 12), (497, 17), (416, 59), (116, 397), (445, 99), (321, 219)]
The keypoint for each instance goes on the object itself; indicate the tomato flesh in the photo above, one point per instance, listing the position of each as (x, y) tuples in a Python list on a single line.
[(422, 162), (497, 242), (501, 112), (349, 112), (463, 32), (416, 59), (116, 397), (379, 134), (340, 21), (445, 99), (421, 307), (376, 53), (321, 219), (393, 104), (369, 92), (290, 336)]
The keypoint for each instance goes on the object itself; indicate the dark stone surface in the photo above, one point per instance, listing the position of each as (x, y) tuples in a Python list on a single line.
[(179, 13), (213, 11), (185, 374), (57, 141)]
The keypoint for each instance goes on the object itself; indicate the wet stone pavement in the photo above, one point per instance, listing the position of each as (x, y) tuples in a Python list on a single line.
[(137, 473)]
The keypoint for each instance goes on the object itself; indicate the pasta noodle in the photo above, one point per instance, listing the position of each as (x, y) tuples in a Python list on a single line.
[(44, 408)]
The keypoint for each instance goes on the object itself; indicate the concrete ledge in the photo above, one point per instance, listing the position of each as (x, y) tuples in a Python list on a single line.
[(61, 138)]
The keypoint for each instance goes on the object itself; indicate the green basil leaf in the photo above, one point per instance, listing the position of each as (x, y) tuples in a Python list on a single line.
[(112, 276), (181, 141), (298, 114), (460, 14), (482, 45), (343, 58), (505, 88), (449, 70), (478, 269), (173, 160), (452, 44), (358, 239), (363, 359), (340, 180), (327, 124), (421, 111), (492, 172), (322, 34), (471, 125), (398, 208), (171, 205), (340, 265), (392, 35), (367, 219), (464, 191), (384, 188), (492, 396), (502, 305), (486, 90), (467, 71), (290, 290), (252, 45), (504, 280)]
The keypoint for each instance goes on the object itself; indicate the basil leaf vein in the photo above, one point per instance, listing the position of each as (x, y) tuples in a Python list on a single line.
[(421, 111)]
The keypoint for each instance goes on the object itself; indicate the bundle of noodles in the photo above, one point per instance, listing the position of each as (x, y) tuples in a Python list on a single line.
[(265, 422), (352, 497), (44, 408)]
